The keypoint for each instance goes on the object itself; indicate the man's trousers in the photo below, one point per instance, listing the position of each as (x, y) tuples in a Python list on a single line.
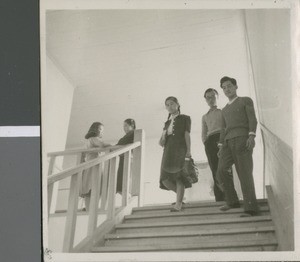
[(211, 150), (234, 151)]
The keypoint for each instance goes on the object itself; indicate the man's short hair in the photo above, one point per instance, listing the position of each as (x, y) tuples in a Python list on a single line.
[(227, 78), (210, 90)]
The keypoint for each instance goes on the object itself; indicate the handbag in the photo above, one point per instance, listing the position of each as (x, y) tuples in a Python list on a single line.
[(190, 171)]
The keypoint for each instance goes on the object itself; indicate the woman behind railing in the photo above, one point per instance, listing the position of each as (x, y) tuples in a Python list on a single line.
[(93, 140), (103, 186), (129, 127)]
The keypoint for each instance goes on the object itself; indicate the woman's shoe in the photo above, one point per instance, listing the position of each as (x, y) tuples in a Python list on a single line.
[(174, 209), (175, 203)]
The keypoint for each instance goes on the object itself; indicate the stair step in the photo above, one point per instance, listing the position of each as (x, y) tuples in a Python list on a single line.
[(222, 231), (205, 222), (236, 222), (190, 205), (194, 227), (191, 237), (186, 213), (187, 218), (264, 244)]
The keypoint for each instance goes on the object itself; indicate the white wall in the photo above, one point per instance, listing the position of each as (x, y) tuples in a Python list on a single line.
[(269, 39), (270, 53), (57, 97), (270, 42)]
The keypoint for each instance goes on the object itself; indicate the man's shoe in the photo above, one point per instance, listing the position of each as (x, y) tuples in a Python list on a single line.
[(249, 214), (227, 207)]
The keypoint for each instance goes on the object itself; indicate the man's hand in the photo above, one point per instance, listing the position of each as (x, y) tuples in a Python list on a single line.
[(250, 144), (162, 139), (188, 154)]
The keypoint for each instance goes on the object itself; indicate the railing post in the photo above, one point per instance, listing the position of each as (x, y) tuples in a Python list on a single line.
[(126, 176), (71, 214), (104, 189), (138, 166), (95, 191), (79, 160), (51, 186), (112, 188)]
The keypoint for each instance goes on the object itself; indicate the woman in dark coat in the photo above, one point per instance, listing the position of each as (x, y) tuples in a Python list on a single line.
[(129, 127), (177, 146)]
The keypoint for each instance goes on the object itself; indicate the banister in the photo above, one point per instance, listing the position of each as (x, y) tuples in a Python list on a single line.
[(71, 171), (104, 175), (82, 150)]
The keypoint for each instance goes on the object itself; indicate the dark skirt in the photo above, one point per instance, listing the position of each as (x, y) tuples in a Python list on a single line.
[(173, 162), (172, 177), (120, 175)]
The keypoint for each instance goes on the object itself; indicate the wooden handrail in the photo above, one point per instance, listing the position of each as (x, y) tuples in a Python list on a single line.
[(103, 172), (73, 170), (82, 150)]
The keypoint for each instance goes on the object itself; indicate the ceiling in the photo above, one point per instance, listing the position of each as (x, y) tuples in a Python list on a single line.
[(89, 44)]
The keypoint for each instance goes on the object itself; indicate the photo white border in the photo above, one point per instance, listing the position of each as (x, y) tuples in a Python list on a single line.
[(293, 5)]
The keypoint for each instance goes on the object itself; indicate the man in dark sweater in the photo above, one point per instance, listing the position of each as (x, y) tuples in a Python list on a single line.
[(236, 147)]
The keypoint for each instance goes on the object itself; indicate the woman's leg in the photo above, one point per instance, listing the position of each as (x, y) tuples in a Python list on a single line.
[(170, 185), (180, 194)]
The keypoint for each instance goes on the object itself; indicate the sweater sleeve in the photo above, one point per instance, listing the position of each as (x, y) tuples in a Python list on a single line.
[(188, 124), (249, 107), (204, 129), (222, 133)]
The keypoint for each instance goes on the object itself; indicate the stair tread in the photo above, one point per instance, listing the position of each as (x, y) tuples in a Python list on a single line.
[(191, 233), (178, 247), (189, 213), (190, 204), (198, 222)]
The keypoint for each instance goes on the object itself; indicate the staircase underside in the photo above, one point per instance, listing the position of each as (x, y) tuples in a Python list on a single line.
[(201, 226)]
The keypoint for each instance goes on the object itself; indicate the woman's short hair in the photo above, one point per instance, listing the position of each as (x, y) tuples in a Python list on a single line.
[(210, 90), (93, 130), (130, 122), (227, 78)]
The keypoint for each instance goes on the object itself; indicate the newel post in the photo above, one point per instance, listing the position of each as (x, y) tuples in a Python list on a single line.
[(138, 166)]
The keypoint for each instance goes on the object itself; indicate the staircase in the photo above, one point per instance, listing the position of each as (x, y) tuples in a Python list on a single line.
[(201, 226)]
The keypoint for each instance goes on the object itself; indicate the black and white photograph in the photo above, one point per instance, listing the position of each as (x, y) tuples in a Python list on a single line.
[(169, 130)]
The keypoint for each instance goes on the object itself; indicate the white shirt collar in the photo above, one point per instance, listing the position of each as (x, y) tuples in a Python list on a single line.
[(172, 117), (230, 102), (213, 109)]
